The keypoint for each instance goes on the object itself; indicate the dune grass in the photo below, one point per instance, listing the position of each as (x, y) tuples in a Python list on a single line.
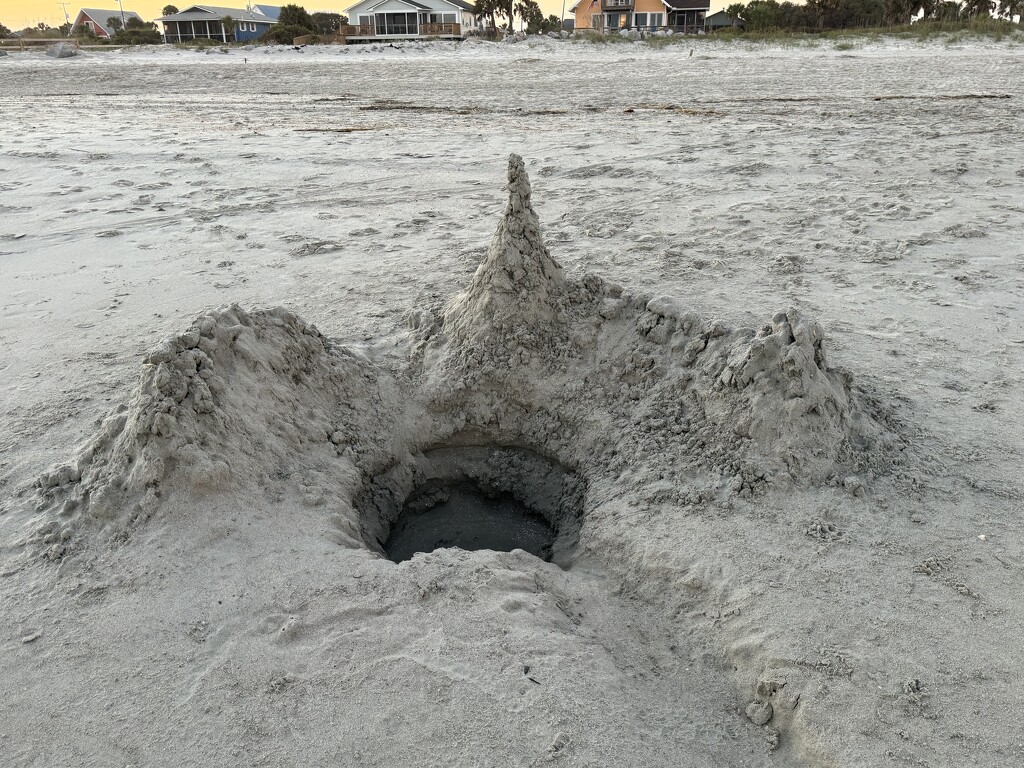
[(949, 32)]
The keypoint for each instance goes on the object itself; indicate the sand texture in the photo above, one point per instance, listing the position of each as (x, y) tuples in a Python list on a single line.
[(755, 357)]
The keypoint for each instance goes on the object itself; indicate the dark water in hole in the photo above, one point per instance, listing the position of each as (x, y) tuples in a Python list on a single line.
[(469, 520)]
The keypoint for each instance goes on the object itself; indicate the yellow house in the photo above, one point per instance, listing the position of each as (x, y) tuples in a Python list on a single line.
[(612, 15)]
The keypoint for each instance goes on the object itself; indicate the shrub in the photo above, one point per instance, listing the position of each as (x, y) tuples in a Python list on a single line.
[(283, 34), (137, 32)]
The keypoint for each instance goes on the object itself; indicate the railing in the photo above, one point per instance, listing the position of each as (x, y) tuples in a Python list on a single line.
[(423, 30), (188, 37), (358, 30), (434, 30), (28, 42), (679, 29)]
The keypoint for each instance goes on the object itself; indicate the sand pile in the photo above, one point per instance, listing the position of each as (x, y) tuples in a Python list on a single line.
[(235, 402), (581, 371), (606, 412)]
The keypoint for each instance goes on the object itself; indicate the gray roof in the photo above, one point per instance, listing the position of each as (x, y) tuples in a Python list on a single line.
[(213, 12), (413, 3), (687, 5), (463, 5), (100, 17), (270, 11)]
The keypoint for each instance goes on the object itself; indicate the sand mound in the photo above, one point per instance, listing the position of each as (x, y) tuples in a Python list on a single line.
[(609, 384), (237, 400), (611, 415)]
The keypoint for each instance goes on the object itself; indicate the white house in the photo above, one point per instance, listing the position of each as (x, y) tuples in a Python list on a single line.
[(391, 19)]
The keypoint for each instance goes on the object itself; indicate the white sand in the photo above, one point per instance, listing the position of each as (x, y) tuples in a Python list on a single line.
[(794, 550)]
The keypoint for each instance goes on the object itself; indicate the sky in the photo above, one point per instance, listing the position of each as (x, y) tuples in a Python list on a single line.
[(18, 14)]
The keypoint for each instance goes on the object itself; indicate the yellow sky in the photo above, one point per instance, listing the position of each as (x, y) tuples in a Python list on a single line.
[(18, 14)]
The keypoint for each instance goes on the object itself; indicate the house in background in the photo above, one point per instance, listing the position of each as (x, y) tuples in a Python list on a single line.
[(206, 21), (614, 15), (270, 11), (722, 20), (583, 13), (687, 15), (398, 19), (96, 20)]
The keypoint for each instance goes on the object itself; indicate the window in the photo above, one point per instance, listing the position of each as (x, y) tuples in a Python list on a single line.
[(396, 24), (449, 18), (366, 21), (657, 19), (640, 19)]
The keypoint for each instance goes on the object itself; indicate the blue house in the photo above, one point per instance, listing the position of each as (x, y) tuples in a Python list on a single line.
[(207, 22)]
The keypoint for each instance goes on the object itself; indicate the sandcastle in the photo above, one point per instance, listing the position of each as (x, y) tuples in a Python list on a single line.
[(563, 391)]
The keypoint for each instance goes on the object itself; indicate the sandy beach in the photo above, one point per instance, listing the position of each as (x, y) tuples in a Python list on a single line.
[(765, 325)]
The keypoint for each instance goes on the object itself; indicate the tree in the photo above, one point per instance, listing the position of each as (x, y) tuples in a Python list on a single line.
[(284, 34), (296, 16), (978, 7), (762, 14), (494, 8), (169, 10), (229, 27), (736, 11), (900, 11), (947, 11), (489, 9), (1010, 8), (328, 23), (531, 14), (4, 32), (137, 32), (114, 22), (40, 30)]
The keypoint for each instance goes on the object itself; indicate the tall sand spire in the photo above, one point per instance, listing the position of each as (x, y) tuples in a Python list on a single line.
[(514, 285)]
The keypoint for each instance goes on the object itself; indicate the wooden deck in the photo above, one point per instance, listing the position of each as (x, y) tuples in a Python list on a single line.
[(366, 33)]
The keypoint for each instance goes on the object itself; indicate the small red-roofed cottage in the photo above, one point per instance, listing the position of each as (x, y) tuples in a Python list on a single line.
[(96, 20)]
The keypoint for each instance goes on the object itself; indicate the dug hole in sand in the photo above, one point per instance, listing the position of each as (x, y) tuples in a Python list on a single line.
[(224, 540)]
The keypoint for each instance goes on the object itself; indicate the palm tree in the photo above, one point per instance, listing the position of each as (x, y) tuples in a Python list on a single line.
[(947, 11), (900, 11), (228, 25)]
